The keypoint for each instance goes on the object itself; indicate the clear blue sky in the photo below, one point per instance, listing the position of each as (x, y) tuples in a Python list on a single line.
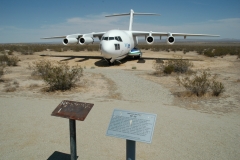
[(29, 20)]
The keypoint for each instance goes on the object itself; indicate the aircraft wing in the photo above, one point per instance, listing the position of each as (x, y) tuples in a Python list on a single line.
[(144, 33), (78, 35)]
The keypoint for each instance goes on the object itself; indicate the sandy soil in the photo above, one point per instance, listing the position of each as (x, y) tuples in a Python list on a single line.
[(186, 127)]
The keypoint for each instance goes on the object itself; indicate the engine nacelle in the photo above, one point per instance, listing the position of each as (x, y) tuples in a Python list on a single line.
[(170, 40), (150, 39), (67, 41), (86, 40)]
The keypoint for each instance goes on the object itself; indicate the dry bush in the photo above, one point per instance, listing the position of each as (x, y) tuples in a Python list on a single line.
[(58, 75), (34, 85), (16, 83), (168, 69), (180, 65), (158, 66), (199, 83), (11, 86), (10, 89), (175, 65), (134, 67), (9, 60), (1, 71), (217, 88)]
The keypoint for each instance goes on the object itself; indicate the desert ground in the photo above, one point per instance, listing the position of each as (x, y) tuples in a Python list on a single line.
[(186, 127)]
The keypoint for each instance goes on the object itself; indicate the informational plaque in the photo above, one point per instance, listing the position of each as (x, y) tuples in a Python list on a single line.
[(72, 110), (136, 126)]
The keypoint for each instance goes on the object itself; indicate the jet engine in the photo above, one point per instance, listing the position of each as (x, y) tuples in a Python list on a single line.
[(170, 40), (86, 40), (150, 39), (67, 41)]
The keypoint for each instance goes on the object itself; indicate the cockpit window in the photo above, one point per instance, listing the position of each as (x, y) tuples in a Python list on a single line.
[(118, 38)]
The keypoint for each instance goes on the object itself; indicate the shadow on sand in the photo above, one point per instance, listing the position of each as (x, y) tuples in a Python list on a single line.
[(60, 156), (102, 63)]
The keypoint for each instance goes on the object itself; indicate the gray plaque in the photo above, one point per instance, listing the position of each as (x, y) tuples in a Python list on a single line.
[(136, 126)]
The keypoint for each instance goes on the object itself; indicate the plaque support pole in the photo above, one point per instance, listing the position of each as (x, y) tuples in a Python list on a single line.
[(73, 141), (131, 149)]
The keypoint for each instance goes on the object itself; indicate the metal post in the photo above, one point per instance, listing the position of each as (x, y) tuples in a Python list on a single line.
[(131, 149), (73, 141)]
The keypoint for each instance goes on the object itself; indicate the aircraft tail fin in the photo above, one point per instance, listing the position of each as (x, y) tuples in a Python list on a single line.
[(132, 13)]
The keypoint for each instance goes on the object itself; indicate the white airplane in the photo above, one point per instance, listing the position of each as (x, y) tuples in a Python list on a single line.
[(117, 44)]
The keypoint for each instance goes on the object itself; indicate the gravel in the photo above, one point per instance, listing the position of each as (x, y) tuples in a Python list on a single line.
[(133, 88)]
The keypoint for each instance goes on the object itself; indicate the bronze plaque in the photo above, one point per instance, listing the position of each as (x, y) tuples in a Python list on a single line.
[(72, 110)]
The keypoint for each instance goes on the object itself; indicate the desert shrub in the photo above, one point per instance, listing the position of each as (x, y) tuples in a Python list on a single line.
[(58, 75), (199, 83), (12, 60), (209, 53), (158, 66), (1, 70), (77, 48), (26, 52), (176, 65), (134, 67), (168, 69), (57, 49), (3, 59), (10, 89), (16, 83), (90, 49), (9, 60), (11, 86), (217, 88), (179, 65)]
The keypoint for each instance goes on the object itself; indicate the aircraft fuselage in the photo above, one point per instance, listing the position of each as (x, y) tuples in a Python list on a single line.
[(116, 44)]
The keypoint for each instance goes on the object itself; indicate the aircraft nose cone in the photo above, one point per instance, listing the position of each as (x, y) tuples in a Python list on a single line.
[(107, 49)]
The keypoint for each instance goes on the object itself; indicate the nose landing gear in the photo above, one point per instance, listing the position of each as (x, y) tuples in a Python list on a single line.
[(109, 61)]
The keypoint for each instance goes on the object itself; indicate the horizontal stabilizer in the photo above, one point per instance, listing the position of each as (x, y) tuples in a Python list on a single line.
[(127, 14), (123, 14), (132, 13)]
